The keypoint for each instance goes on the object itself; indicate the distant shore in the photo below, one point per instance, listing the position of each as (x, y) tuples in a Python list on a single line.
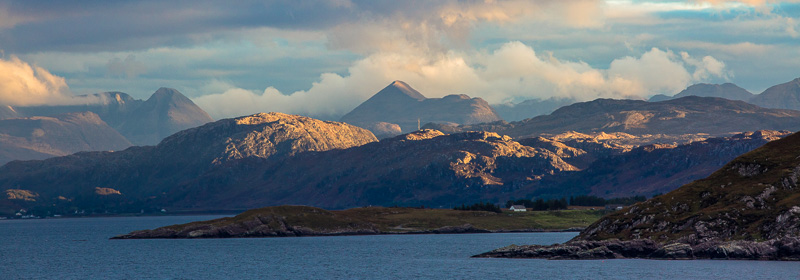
[(285, 221)]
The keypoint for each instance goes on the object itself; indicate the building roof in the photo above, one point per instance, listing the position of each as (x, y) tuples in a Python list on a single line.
[(518, 206)]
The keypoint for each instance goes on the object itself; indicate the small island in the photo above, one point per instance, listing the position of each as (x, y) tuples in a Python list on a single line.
[(284, 221)]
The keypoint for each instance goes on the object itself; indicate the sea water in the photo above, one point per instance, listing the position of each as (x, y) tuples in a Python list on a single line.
[(79, 248)]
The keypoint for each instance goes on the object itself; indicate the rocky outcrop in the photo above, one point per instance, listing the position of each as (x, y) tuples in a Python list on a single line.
[(784, 249), (402, 105), (45, 137), (745, 210)]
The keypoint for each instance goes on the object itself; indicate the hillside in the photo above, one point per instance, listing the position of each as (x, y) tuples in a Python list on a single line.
[(401, 105), (727, 90), (44, 137), (143, 174), (656, 168), (745, 210), (782, 96), (687, 115), (420, 168), (277, 159)]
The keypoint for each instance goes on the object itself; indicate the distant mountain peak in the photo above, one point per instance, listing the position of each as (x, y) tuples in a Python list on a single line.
[(398, 104), (782, 96), (166, 111), (167, 93), (400, 88), (726, 90)]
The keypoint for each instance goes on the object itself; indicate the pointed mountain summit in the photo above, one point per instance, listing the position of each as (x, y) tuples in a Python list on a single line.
[(399, 104), (167, 111), (726, 90), (398, 89), (783, 96)]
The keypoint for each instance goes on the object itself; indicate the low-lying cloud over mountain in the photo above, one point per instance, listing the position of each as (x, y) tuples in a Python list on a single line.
[(515, 71)]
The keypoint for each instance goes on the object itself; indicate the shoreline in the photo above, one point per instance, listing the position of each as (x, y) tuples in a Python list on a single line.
[(427, 232)]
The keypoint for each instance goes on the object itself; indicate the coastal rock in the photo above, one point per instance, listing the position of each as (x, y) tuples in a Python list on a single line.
[(786, 249)]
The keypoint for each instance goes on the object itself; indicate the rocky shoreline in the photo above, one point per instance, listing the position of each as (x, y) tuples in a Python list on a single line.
[(784, 249)]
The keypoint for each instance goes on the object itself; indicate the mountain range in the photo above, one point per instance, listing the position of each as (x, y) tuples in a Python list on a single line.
[(274, 159), (781, 96), (116, 121), (59, 135), (686, 115), (399, 108)]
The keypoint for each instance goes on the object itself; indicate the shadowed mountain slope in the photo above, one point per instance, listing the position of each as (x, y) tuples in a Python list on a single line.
[(783, 96), (167, 111), (727, 90), (44, 137)]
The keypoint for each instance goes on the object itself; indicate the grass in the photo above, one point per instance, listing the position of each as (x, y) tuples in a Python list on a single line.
[(400, 220)]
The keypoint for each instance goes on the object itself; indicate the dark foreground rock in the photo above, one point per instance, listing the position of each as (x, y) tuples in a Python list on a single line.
[(785, 249)]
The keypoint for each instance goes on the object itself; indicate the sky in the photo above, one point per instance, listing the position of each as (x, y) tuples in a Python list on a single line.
[(323, 58)]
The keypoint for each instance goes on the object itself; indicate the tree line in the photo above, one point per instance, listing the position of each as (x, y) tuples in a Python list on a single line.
[(590, 200)]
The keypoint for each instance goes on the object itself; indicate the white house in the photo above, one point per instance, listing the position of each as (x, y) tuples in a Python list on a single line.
[(518, 208)]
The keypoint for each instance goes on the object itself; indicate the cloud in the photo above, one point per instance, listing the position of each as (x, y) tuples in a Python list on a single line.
[(22, 84), (512, 72), (129, 67), (436, 26)]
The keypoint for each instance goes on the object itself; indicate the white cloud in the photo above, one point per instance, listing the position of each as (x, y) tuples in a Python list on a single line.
[(514, 71), (22, 84)]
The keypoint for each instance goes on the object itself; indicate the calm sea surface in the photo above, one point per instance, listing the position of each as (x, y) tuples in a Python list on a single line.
[(80, 249)]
